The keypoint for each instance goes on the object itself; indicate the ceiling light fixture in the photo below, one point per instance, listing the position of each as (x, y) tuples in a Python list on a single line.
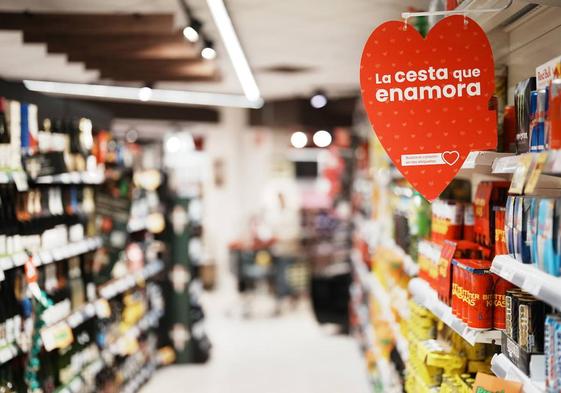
[(318, 100), (237, 56), (193, 30), (125, 93), (208, 52), (322, 138), (191, 34), (299, 139)]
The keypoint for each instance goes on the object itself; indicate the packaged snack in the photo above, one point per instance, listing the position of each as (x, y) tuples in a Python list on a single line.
[(522, 107)]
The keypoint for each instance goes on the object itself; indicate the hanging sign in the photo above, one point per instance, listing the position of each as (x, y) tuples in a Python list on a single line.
[(428, 99)]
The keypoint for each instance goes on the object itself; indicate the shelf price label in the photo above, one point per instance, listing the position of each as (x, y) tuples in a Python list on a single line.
[(532, 286), (57, 336)]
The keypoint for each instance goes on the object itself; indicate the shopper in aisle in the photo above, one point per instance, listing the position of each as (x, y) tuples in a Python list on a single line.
[(284, 222)]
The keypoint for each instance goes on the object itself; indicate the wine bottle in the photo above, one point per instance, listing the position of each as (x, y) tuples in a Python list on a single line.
[(4, 128)]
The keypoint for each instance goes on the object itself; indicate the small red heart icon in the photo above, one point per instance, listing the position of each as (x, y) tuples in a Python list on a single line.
[(450, 157), (440, 92)]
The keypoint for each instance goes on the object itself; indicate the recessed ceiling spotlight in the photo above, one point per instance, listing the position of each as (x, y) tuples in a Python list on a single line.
[(318, 100), (322, 138), (299, 139), (208, 52), (145, 93), (191, 32)]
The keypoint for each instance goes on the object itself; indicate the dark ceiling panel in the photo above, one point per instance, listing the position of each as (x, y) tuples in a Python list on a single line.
[(123, 47), (65, 23), (299, 113)]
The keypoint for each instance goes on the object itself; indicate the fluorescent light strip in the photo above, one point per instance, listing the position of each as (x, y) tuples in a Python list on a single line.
[(125, 93), (241, 66)]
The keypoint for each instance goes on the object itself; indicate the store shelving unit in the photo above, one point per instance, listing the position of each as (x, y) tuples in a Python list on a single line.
[(123, 284), (483, 160), (538, 283), (424, 295), (92, 178), (44, 257), (504, 368), (371, 284), (382, 296), (410, 267)]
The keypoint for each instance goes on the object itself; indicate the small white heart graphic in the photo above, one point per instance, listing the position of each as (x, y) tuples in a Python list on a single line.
[(450, 157)]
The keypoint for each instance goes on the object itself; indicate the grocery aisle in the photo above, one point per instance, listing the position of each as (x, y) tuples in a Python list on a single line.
[(268, 354)]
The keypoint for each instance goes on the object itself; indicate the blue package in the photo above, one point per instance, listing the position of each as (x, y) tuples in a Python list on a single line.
[(548, 235), (533, 121), (509, 224), (541, 110), (532, 229), (521, 212), (24, 124), (545, 232)]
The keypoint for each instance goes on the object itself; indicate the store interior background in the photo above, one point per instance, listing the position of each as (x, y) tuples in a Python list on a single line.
[(295, 49)]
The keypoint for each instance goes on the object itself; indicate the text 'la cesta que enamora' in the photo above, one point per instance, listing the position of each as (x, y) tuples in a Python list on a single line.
[(460, 84)]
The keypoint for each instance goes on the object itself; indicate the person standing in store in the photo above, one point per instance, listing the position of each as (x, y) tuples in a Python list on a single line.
[(284, 221)]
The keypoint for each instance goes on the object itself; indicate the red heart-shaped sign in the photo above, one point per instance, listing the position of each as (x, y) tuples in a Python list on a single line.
[(428, 99)]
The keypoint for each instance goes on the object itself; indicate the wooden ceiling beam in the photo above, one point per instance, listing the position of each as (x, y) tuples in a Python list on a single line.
[(201, 68), (151, 64), (170, 51), (145, 77), (82, 23), (77, 39)]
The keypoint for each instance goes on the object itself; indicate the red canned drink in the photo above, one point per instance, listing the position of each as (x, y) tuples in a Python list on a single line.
[(499, 312), (480, 298), (456, 288), (464, 277)]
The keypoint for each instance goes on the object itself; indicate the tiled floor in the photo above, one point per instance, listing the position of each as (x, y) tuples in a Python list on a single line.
[(287, 354)]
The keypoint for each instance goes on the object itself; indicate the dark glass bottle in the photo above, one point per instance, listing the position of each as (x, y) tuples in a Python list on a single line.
[(4, 128)]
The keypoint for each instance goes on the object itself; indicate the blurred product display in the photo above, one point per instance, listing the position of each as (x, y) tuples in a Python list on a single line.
[(221, 196)]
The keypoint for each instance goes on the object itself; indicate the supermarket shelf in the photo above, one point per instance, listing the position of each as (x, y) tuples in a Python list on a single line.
[(482, 159), (137, 224), (148, 321), (44, 257), (538, 283), (502, 367), (78, 383), (496, 20), (382, 296), (123, 284), (8, 352), (360, 269), (139, 378), (410, 267), (424, 295), (92, 178), (7, 177)]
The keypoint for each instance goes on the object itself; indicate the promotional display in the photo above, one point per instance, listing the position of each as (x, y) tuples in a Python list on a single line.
[(479, 266), (430, 99)]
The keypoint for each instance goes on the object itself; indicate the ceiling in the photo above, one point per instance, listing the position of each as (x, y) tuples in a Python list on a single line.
[(293, 46)]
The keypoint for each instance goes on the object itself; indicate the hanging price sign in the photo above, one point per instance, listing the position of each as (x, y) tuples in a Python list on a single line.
[(428, 99)]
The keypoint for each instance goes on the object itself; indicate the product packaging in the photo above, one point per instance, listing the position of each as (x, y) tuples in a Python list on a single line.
[(554, 114), (488, 195), (521, 212), (522, 106)]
